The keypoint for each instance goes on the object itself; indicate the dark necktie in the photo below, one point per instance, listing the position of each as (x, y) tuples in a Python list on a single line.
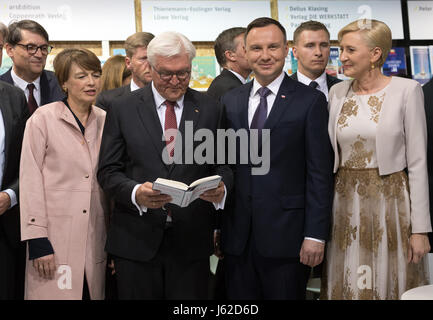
[(313, 84), (170, 123), (31, 103), (262, 110)]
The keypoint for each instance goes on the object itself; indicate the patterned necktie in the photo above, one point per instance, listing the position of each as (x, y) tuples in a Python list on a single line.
[(31, 103), (170, 123), (313, 84)]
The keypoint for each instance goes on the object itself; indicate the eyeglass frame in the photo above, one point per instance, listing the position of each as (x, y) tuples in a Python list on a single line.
[(171, 74), (26, 46)]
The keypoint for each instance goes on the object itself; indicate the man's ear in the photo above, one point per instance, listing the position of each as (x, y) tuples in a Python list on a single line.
[(9, 50), (295, 51), (128, 62), (230, 56)]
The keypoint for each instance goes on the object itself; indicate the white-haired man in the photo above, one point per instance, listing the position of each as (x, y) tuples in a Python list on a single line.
[(161, 251)]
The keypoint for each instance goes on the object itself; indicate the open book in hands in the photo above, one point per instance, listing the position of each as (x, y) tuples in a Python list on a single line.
[(182, 194)]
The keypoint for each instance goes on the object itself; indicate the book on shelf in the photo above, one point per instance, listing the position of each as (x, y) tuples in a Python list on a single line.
[(183, 194)]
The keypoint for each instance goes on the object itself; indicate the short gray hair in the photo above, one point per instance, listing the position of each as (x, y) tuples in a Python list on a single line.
[(168, 44), (3, 31)]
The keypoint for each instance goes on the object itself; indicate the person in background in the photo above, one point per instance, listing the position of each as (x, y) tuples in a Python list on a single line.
[(115, 74), (13, 116), (136, 61), (311, 48), (3, 37), (230, 53), (381, 213), (62, 205), (428, 102), (28, 46)]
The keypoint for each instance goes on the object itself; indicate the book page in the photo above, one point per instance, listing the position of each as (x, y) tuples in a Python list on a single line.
[(204, 186), (172, 183), (202, 180)]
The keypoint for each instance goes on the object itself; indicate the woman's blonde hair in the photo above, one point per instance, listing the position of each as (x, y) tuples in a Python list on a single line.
[(375, 33), (114, 71)]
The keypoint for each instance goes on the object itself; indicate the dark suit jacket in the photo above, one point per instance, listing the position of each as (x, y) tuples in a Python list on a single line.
[(223, 83), (330, 80), (15, 112), (105, 98), (131, 154), (50, 88), (293, 200), (428, 99)]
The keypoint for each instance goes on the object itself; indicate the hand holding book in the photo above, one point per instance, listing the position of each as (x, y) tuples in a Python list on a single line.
[(208, 189)]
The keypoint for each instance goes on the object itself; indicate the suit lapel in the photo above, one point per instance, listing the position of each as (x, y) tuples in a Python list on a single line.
[(7, 120), (282, 102), (146, 110), (7, 77), (45, 89), (243, 104), (190, 113)]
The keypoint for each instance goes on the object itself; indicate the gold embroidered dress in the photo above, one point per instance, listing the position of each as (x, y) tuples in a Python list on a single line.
[(367, 253)]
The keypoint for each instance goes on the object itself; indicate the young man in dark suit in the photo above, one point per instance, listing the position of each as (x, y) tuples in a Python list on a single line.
[(13, 116), (161, 251), (28, 46), (428, 103), (280, 220), (311, 48), (136, 61), (230, 53)]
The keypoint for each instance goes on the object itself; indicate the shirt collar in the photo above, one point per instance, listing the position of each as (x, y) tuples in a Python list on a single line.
[(160, 100), (321, 81), (274, 86), (22, 84), (134, 86), (242, 79)]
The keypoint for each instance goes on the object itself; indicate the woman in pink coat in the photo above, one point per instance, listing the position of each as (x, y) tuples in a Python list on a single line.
[(62, 205)]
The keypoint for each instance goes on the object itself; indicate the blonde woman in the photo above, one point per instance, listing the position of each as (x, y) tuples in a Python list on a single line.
[(381, 206)]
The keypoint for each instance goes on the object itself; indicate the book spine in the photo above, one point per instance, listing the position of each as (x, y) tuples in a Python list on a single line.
[(186, 198)]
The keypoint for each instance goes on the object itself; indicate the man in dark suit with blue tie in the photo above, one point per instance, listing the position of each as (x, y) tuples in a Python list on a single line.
[(28, 46), (280, 220)]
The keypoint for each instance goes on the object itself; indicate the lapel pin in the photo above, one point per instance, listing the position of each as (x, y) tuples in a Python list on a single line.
[(283, 96), (196, 110)]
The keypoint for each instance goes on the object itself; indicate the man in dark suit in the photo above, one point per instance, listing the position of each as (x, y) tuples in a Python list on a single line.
[(27, 45), (230, 53), (280, 219), (161, 250), (311, 49), (428, 103), (136, 61), (13, 116)]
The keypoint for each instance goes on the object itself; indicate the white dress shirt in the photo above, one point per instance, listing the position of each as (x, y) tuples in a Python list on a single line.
[(22, 84), (254, 101), (10, 192), (238, 76), (134, 85), (321, 81), (160, 109)]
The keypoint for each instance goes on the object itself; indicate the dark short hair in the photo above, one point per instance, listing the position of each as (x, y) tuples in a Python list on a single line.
[(311, 26), (264, 22), (137, 40), (226, 41), (86, 59), (15, 28)]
